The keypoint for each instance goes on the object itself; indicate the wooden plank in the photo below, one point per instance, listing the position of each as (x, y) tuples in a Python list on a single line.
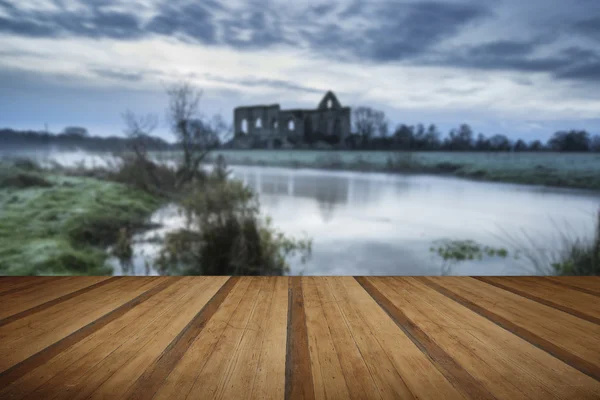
[(328, 377), (211, 380), (80, 357), (14, 284), (445, 364), (11, 282), (20, 307), (586, 284), (570, 339), (372, 327), (503, 364), (27, 336), (163, 363), (269, 381), (16, 371), (358, 377), (135, 362), (574, 302), (44, 291), (298, 375), (180, 381), (67, 383), (244, 369)]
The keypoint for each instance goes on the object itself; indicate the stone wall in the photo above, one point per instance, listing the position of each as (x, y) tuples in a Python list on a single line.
[(329, 118)]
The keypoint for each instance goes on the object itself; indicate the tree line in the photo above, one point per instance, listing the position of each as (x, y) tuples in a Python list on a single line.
[(72, 138), (371, 132)]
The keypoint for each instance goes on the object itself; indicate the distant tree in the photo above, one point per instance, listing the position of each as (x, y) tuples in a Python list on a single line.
[(536, 145), (432, 138), (75, 131), (404, 137), (419, 138), (482, 143), (520, 145), (570, 141), (595, 143), (500, 143), (460, 140), (369, 122)]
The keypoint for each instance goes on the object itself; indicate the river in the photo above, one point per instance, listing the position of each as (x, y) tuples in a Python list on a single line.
[(385, 224)]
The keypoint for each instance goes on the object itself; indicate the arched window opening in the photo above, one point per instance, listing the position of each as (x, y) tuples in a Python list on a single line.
[(291, 125), (244, 125), (258, 123), (329, 103)]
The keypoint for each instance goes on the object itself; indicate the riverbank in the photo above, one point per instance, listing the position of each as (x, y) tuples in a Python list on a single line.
[(55, 224), (578, 171)]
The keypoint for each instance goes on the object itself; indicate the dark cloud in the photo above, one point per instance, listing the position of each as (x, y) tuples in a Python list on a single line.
[(194, 20), (322, 9), (390, 31), (95, 22), (521, 56), (262, 28), (261, 82), (406, 30), (353, 9), (396, 31), (585, 72), (118, 74), (589, 27), (503, 48)]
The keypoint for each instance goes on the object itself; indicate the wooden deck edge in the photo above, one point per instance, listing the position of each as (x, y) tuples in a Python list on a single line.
[(58, 300), (563, 355), (37, 282), (298, 373), (574, 287), (568, 310), (459, 377), (18, 370)]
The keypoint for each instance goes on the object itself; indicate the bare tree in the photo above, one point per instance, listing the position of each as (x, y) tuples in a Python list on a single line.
[(138, 129), (196, 134), (369, 122)]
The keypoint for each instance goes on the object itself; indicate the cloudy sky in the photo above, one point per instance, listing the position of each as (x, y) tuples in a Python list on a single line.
[(522, 68)]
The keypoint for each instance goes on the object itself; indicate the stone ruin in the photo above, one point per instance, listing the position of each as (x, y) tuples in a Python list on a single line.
[(275, 126)]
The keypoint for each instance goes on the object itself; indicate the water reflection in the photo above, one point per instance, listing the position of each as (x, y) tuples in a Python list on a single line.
[(381, 224)]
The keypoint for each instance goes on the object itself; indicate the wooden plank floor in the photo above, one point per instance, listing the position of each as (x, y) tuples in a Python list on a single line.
[(299, 338)]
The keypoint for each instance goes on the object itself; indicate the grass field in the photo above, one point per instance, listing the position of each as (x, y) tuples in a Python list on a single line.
[(53, 224)]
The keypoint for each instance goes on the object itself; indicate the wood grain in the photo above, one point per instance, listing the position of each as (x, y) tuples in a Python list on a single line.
[(485, 350), (569, 339), (298, 374), (154, 375), (299, 337), (571, 301), (585, 284), (20, 368), (60, 293), (446, 364), (180, 381)]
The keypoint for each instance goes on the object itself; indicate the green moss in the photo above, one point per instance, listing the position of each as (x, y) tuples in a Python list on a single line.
[(63, 228)]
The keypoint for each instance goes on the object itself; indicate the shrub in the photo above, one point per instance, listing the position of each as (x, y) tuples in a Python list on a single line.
[(226, 234), (581, 258)]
